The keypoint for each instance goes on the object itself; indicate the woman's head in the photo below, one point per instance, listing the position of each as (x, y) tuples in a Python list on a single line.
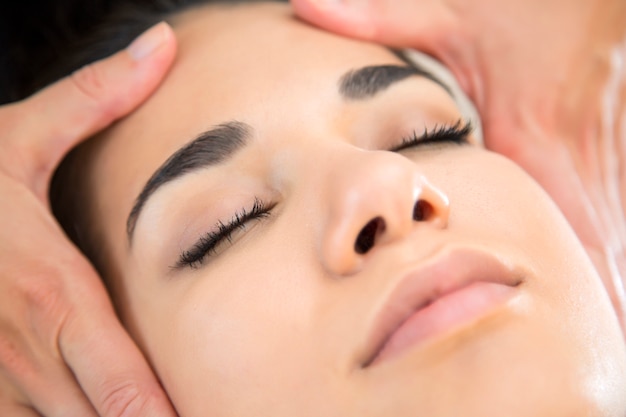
[(266, 267)]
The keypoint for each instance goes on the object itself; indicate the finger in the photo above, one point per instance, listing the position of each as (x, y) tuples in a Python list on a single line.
[(64, 316), (87, 101), (16, 410), (47, 384), (110, 368), (411, 24), (31, 369)]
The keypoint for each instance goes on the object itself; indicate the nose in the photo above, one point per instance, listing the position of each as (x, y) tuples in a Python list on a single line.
[(376, 198)]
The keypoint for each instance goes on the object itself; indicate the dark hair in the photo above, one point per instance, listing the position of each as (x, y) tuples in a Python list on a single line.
[(35, 33), (79, 35), (55, 38)]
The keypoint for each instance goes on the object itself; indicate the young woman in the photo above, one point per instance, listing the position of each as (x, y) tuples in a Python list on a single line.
[(300, 224)]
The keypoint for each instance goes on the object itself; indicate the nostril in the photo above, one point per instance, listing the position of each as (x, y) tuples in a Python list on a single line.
[(422, 211), (367, 236)]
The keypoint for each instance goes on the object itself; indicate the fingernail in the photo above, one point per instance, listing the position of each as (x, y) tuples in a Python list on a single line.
[(148, 42), (328, 3)]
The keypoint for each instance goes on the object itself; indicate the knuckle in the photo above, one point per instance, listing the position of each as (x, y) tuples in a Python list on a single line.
[(42, 295), (123, 399), (45, 308), (91, 83), (13, 360)]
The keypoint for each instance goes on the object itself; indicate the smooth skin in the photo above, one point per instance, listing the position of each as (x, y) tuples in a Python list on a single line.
[(62, 350), (38, 149), (276, 320), (548, 79)]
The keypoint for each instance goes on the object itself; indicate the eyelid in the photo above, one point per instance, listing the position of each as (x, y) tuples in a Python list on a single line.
[(464, 103), (458, 132), (206, 244), (196, 254)]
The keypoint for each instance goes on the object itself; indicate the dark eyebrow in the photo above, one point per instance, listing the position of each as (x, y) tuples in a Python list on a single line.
[(209, 148), (366, 82), (217, 145)]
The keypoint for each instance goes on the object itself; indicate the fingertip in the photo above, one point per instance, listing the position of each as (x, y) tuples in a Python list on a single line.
[(88, 100), (311, 10), (348, 18), (125, 80), (153, 53), (149, 42)]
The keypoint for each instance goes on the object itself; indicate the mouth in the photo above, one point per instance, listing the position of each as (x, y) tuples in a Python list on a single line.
[(448, 293)]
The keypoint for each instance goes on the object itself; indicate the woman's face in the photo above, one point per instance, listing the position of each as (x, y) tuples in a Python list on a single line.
[(291, 263)]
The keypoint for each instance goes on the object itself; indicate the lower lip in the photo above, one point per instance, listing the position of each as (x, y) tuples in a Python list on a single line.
[(452, 311)]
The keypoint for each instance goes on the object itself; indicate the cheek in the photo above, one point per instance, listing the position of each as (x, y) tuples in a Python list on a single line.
[(241, 326), (492, 201), (505, 209)]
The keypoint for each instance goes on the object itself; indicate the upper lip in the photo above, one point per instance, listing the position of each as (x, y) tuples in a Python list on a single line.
[(445, 273)]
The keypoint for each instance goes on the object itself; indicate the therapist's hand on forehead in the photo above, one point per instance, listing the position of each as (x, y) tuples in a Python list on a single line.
[(538, 71), (549, 80), (62, 350)]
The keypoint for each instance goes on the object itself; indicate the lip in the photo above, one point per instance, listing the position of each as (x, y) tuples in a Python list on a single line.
[(455, 288)]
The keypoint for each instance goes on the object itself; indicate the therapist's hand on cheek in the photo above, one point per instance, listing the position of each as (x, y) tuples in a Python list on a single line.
[(62, 350), (548, 77)]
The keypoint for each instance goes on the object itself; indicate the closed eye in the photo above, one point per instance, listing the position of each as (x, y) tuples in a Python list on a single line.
[(457, 133), (208, 243)]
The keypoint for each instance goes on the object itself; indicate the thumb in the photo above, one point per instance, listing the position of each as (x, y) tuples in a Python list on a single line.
[(40, 130), (404, 24)]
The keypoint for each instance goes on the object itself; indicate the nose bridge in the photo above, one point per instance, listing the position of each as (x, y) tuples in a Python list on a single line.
[(372, 183), (372, 201)]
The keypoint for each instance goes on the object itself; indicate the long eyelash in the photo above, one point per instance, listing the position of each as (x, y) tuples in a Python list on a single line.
[(457, 133), (208, 243)]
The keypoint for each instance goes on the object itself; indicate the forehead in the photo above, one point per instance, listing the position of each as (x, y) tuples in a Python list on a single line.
[(248, 61), (236, 61)]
